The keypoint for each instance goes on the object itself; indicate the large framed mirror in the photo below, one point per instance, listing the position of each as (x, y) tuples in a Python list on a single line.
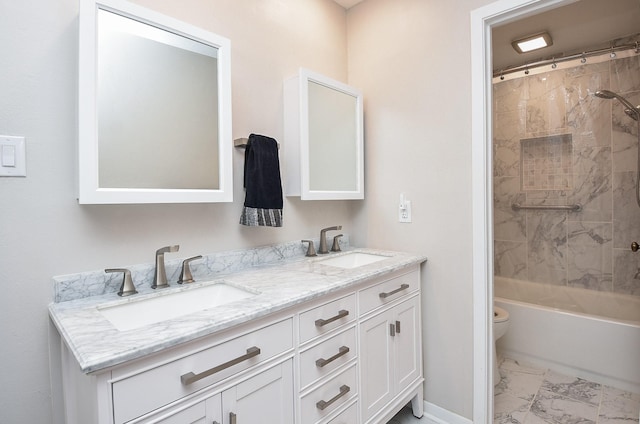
[(154, 108)]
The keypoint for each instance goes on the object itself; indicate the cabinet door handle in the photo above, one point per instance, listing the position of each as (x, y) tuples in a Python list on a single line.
[(384, 295), (323, 404), (190, 377), (392, 330), (322, 362), (341, 314), (398, 327), (232, 418)]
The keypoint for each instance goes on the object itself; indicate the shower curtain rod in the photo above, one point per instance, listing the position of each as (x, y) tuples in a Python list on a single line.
[(555, 60)]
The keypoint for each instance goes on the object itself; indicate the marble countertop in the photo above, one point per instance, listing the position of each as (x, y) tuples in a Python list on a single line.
[(97, 344)]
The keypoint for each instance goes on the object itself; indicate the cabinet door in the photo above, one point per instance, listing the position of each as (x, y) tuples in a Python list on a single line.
[(265, 398), (376, 359), (407, 343), (206, 412), (323, 121)]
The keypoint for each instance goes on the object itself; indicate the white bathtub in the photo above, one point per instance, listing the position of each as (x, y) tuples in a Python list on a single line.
[(589, 334)]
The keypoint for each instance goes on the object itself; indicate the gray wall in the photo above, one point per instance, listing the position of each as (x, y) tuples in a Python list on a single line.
[(587, 249), (43, 230), (412, 60)]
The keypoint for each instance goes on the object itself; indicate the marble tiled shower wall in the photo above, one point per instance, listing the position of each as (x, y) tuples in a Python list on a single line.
[(590, 248)]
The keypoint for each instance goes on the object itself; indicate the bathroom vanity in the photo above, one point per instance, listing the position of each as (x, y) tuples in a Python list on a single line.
[(333, 339)]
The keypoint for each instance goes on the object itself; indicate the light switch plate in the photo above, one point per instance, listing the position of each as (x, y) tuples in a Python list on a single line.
[(13, 162)]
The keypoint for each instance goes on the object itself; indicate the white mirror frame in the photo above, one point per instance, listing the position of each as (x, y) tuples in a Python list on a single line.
[(297, 137), (89, 191)]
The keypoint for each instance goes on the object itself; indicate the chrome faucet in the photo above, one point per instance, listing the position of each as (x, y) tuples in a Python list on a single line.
[(160, 276), (323, 238)]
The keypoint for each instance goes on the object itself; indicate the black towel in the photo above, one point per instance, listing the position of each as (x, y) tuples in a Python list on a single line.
[(263, 187)]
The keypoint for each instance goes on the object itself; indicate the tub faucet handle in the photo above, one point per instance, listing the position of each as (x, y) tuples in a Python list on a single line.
[(311, 250), (336, 243), (127, 287), (185, 274)]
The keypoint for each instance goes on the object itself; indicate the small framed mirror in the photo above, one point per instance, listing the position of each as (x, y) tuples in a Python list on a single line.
[(154, 108), (324, 138)]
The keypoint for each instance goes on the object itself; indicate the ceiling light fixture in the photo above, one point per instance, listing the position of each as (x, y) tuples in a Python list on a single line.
[(532, 42)]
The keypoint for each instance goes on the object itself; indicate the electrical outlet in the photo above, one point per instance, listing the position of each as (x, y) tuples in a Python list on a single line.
[(405, 211)]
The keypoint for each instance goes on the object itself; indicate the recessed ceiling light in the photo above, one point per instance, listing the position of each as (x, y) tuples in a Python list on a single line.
[(532, 42)]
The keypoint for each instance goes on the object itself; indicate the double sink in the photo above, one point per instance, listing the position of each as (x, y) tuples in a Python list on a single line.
[(158, 307)]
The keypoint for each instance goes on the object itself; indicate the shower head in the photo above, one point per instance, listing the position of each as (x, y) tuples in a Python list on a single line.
[(630, 109), (605, 94)]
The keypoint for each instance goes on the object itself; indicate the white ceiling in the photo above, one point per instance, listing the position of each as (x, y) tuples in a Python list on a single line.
[(583, 25)]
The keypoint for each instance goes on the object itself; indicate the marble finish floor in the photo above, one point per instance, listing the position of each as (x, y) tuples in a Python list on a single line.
[(530, 395)]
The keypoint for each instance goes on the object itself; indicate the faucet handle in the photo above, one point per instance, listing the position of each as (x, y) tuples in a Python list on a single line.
[(336, 243), (185, 274), (127, 287), (311, 250)]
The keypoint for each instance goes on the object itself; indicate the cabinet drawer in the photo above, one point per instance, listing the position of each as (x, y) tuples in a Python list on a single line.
[(321, 359), (318, 321), (325, 399), (388, 291), (140, 393), (348, 416)]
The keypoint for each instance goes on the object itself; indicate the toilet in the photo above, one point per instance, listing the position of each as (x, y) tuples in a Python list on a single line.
[(500, 326)]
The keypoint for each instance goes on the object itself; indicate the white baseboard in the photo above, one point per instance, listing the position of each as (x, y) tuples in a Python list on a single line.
[(438, 415)]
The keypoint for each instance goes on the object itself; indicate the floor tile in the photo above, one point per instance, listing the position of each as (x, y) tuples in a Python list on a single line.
[(609, 392), (556, 408), (618, 407), (509, 409), (573, 387), (520, 384)]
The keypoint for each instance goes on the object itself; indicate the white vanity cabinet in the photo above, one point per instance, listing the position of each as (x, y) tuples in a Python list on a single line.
[(390, 345), (328, 371), (265, 397), (372, 335), (218, 379), (348, 357)]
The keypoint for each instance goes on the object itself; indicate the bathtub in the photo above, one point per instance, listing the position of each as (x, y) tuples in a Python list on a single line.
[(579, 332)]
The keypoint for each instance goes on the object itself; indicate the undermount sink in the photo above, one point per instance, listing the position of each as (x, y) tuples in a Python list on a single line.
[(166, 306), (352, 260)]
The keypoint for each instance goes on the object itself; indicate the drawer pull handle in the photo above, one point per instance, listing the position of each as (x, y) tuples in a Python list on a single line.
[(398, 327), (232, 418), (323, 404), (190, 377), (341, 314), (342, 351), (384, 295), (392, 330)]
